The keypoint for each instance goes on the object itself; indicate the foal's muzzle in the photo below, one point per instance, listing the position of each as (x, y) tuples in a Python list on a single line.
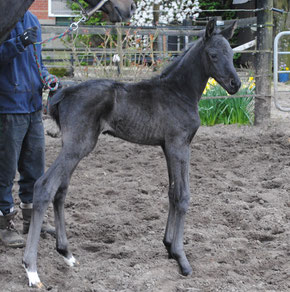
[(235, 84)]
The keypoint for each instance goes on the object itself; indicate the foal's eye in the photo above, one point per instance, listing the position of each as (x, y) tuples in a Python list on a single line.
[(213, 56)]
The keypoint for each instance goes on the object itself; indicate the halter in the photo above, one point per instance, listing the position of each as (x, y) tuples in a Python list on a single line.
[(87, 14)]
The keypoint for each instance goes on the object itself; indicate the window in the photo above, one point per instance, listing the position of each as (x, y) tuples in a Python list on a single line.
[(59, 8)]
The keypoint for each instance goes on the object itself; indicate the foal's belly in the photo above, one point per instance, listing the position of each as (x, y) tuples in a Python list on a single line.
[(140, 129)]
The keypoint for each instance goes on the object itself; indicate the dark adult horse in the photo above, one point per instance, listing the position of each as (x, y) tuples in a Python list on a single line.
[(11, 11), (162, 111), (117, 10)]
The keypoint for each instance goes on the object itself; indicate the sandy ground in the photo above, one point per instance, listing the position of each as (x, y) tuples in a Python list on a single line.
[(237, 232), (283, 99)]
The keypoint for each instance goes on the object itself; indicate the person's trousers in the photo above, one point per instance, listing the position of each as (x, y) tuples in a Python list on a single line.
[(22, 149)]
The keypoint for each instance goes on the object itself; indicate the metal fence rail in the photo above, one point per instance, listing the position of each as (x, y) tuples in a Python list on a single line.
[(276, 71)]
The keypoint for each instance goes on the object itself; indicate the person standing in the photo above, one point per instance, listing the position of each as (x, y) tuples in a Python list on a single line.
[(22, 142)]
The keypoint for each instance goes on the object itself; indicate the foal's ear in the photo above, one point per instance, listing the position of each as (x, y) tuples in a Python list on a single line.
[(228, 32), (210, 27)]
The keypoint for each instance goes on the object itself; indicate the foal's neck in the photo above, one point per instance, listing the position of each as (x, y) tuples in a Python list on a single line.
[(189, 75)]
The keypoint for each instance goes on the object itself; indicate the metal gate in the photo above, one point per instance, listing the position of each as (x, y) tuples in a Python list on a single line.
[(276, 71)]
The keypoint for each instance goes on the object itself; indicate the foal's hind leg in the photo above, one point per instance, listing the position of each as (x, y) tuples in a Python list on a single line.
[(77, 144), (61, 238), (177, 157), (44, 191)]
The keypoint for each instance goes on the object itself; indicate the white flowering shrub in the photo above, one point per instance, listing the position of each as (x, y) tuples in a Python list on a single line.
[(169, 11)]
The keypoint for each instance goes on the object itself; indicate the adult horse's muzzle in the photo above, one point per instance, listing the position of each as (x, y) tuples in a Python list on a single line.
[(119, 11)]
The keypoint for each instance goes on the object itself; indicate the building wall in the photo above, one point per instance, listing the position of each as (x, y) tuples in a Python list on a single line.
[(40, 9)]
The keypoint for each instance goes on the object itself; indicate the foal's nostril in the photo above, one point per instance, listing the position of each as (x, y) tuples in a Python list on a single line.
[(233, 83)]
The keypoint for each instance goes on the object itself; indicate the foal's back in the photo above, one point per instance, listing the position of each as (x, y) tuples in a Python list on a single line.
[(150, 112)]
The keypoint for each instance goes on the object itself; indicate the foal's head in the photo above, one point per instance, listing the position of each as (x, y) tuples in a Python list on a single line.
[(218, 57)]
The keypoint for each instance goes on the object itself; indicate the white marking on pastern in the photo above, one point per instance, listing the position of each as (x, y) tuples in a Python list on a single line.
[(33, 279), (70, 261)]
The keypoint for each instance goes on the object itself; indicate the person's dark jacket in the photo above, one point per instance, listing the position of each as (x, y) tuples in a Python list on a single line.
[(20, 83)]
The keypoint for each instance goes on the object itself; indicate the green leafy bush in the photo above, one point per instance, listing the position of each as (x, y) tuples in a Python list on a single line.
[(97, 18), (94, 19)]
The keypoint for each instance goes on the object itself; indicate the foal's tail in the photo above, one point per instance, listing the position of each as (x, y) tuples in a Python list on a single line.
[(53, 105)]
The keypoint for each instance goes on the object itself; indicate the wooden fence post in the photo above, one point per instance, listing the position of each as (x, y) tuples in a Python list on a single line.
[(264, 61), (71, 73), (119, 44)]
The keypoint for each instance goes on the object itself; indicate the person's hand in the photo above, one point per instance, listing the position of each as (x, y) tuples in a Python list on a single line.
[(29, 36)]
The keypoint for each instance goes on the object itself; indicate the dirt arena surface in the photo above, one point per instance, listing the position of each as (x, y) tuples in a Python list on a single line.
[(237, 232)]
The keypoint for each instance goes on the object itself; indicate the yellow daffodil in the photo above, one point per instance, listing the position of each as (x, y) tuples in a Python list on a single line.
[(251, 79), (207, 87), (212, 81), (252, 85)]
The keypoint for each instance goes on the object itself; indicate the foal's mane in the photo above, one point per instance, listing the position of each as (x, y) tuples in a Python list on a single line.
[(165, 73)]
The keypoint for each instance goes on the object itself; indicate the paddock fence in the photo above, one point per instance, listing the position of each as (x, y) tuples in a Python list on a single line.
[(131, 54), (126, 53)]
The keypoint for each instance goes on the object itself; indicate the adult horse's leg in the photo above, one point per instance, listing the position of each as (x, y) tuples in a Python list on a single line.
[(78, 141), (177, 156)]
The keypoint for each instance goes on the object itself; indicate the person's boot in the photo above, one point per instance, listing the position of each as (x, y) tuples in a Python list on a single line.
[(8, 234), (26, 213)]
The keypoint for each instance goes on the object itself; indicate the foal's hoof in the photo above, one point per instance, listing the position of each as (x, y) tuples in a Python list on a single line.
[(71, 261), (186, 271), (38, 285)]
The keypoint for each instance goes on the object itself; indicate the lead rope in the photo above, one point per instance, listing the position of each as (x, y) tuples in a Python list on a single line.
[(48, 83), (48, 80), (73, 27), (45, 81)]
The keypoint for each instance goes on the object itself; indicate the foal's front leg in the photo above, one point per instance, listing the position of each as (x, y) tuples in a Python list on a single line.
[(177, 157), (168, 236)]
